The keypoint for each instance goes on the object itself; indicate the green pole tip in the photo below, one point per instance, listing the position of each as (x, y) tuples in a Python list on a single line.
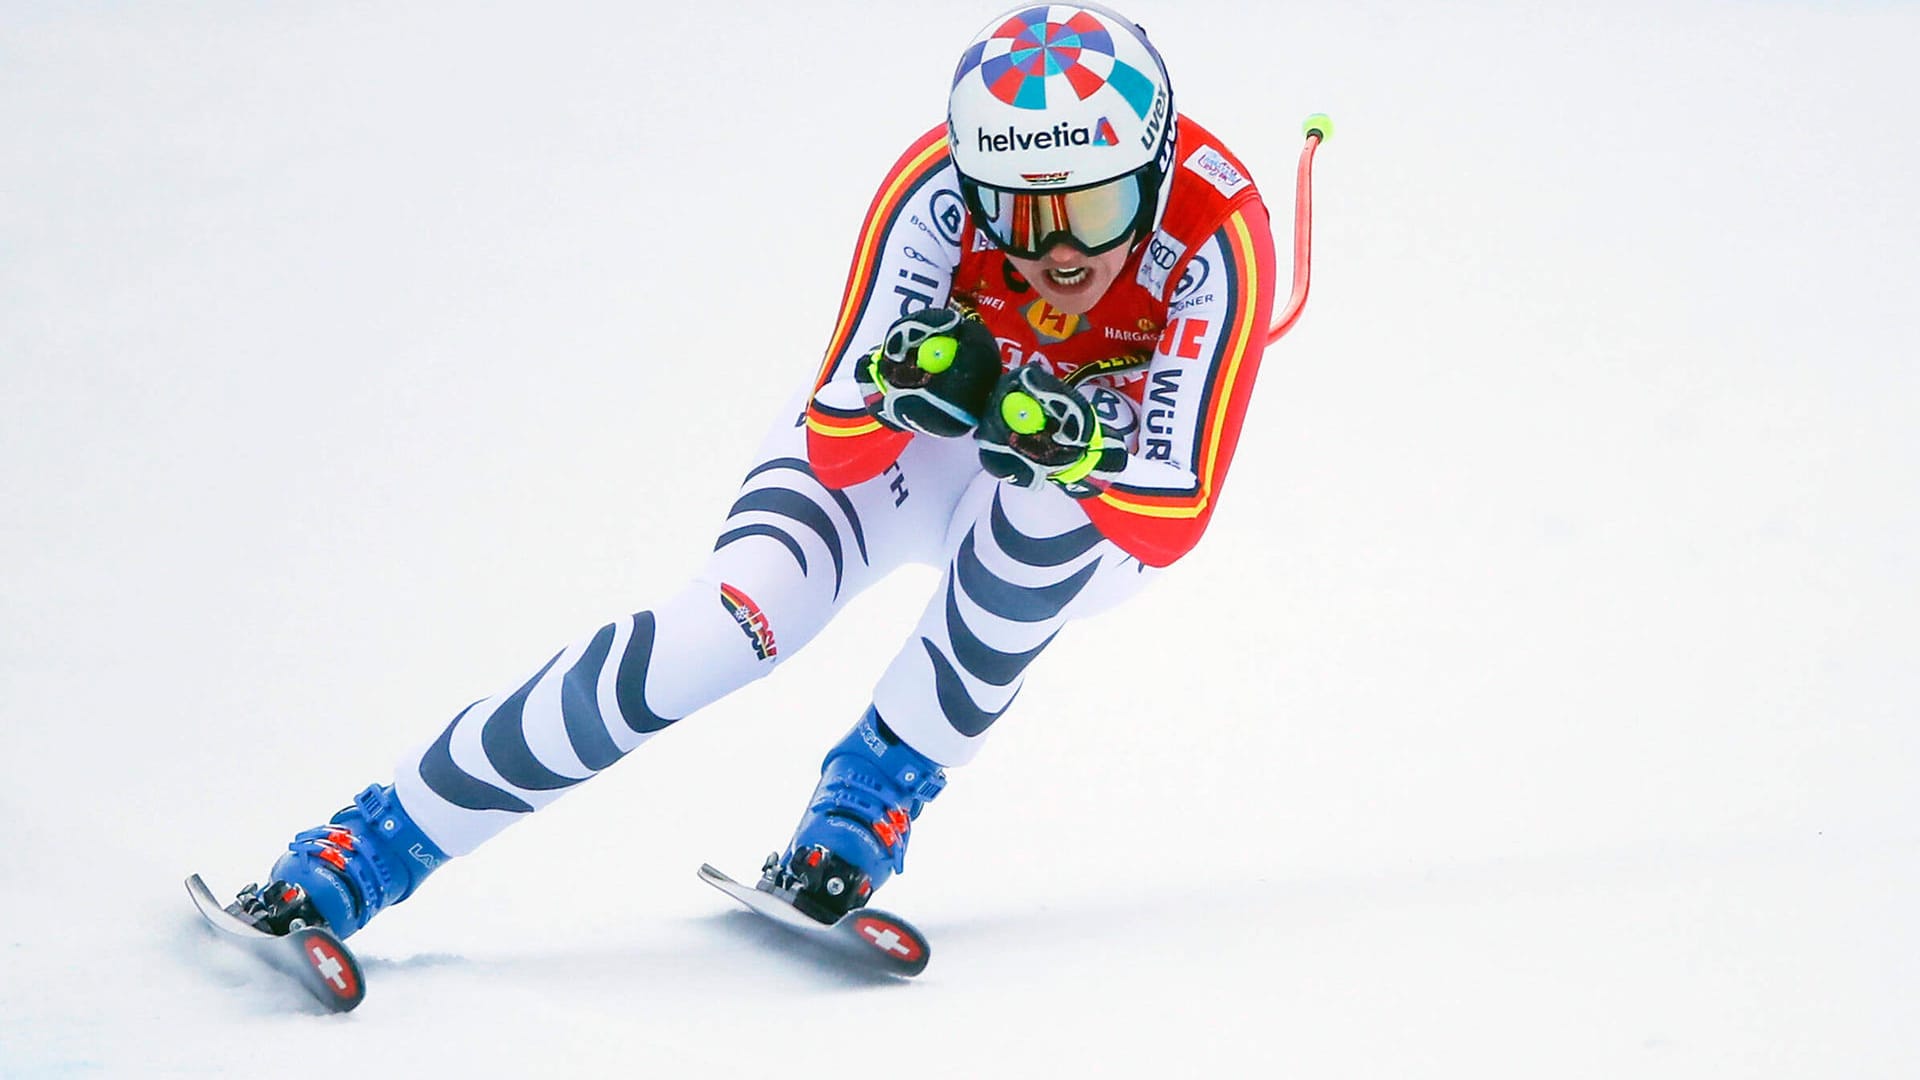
[(1318, 124)]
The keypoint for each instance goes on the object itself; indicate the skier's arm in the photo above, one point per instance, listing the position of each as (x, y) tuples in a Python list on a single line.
[(1196, 393), (904, 260)]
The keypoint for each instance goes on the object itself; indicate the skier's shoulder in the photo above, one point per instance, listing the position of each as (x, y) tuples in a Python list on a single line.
[(924, 157), (921, 190), (1207, 186), (1208, 180)]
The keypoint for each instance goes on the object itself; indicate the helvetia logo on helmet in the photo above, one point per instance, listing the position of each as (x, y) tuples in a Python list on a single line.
[(1059, 135)]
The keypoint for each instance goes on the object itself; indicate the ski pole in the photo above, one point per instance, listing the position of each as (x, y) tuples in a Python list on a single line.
[(1319, 128)]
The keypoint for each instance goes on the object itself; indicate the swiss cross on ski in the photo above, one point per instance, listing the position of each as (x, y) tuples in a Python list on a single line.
[(332, 968), (888, 937)]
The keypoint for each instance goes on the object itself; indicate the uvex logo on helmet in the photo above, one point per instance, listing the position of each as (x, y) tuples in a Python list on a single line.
[(1158, 117)]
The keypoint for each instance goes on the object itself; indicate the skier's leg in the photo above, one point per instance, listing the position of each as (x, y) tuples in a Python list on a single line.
[(1022, 564), (789, 555)]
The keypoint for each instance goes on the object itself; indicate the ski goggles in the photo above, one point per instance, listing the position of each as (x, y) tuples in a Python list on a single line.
[(1091, 219)]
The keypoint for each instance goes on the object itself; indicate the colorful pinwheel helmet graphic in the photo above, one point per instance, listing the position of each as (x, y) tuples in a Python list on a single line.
[(1061, 124)]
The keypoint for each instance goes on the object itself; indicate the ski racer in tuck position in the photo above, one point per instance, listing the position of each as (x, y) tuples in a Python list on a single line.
[(1049, 334)]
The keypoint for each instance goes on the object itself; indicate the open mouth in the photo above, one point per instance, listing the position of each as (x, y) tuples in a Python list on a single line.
[(1069, 278)]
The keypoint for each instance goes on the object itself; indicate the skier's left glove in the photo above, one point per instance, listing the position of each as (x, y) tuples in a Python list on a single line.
[(1037, 430)]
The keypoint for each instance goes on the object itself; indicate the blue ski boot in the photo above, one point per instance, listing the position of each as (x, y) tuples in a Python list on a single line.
[(854, 834), (369, 857)]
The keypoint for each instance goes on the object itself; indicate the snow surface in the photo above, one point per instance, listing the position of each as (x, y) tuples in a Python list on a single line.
[(1542, 704)]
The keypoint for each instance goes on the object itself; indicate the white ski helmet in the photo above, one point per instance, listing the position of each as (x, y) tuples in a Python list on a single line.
[(1061, 124)]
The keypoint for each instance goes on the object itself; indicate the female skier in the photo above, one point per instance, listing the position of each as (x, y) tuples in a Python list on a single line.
[(1049, 334)]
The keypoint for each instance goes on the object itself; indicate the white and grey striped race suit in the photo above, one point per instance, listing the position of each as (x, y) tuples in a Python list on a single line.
[(1018, 564)]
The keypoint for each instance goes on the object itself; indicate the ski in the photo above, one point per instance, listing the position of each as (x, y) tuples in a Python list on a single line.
[(311, 955), (872, 938)]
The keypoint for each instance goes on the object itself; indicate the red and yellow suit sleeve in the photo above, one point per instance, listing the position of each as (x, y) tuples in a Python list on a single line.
[(1194, 400), (845, 444)]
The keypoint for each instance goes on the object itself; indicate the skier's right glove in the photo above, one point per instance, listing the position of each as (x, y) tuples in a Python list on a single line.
[(1037, 430), (932, 374)]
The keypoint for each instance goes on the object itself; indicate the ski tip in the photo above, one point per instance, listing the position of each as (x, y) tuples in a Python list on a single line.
[(201, 896)]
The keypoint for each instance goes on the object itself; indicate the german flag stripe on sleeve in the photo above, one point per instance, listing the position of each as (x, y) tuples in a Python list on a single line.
[(927, 156)]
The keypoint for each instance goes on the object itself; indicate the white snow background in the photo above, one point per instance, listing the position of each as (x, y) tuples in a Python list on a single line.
[(1542, 702)]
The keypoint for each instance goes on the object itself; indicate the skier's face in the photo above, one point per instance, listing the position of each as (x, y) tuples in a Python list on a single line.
[(1069, 280)]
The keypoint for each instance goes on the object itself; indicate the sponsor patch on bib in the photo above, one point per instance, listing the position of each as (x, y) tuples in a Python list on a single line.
[(1220, 172), (1162, 255)]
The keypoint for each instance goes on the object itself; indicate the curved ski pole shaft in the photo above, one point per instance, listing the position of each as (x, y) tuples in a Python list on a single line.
[(1319, 128)]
